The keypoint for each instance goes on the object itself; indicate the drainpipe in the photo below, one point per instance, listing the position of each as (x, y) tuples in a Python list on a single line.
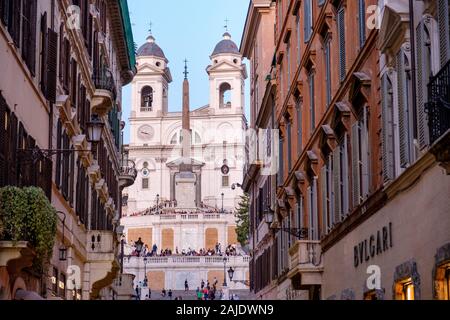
[(413, 64)]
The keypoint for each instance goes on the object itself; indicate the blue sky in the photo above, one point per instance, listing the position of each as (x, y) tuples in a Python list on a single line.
[(186, 29)]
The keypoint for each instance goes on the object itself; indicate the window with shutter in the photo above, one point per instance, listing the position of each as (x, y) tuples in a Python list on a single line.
[(62, 55), (341, 34), (281, 162), (299, 208), (67, 63), (4, 10), (362, 22), (307, 19), (404, 110), (312, 107), (328, 68), (443, 13), (289, 142), (365, 153), (12, 152), (14, 22), (71, 176), (59, 131), (298, 108), (44, 47), (310, 213), (74, 83), (315, 211), (387, 114), (356, 164), (423, 52), (51, 65), (324, 197), (344, 162), (336, 185), (297, 27), (65, 166), (29, 11)]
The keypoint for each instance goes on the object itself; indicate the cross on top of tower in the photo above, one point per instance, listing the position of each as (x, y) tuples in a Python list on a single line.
[(226, 24), (185, 69), (150, 30)]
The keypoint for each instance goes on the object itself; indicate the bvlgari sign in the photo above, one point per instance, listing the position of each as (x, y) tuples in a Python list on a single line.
[(374, 245)]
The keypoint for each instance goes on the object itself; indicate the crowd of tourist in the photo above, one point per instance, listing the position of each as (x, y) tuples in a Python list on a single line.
[(230, 250), (170, 208)]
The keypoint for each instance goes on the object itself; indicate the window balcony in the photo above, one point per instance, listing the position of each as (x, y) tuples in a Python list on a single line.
[(438, 106), (123, 285), (102, 259), (128, 174), (305, 264), (105, 92)]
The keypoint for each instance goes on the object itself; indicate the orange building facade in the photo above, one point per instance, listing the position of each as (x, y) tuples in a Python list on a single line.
[(326, 94)]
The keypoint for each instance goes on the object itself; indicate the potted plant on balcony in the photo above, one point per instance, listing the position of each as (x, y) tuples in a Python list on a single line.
[(27, 227)]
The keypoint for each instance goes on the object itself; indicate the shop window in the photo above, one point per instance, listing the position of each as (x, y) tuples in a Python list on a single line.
[(407, 282), (441, 274), (405, 290), (62, 286), (371, 295)]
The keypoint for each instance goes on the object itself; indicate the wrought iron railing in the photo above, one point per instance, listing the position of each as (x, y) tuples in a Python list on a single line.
[(438, 106), (104, 80), (128, 168)]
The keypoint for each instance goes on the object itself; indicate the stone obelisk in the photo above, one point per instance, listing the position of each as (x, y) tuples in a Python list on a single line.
[(185, 179), (186, 126)]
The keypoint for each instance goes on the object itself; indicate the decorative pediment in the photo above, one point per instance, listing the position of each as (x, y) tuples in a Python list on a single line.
[(224, 66), (341, 116), (310, 61), (326, 25), (146, 68), (300, 177), (394, 23), (327, 137), (312, 163), (360, 88)]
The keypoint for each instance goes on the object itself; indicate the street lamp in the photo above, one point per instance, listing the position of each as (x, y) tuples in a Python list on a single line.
[(300, 233), (63, 248), (145, 272), (231, 273), (95, 129), (224, 272), (222, 200), (94, 132), (157, 204)]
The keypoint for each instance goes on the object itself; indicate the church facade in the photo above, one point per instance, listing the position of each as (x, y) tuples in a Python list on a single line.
[(189, 165)]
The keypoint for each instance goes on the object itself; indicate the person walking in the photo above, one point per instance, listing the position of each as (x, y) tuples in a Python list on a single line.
[(170, 294), (186, 285), (199, 294), (202, 284)]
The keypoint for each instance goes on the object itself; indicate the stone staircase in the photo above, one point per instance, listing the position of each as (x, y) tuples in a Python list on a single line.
[(191, 295)]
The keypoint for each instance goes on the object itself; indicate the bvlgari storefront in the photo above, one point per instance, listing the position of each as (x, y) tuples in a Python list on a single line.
[(397, 246)]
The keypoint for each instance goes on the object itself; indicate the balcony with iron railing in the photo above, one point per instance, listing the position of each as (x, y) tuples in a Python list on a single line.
[(128, 173), (438, 106), (105, 92)]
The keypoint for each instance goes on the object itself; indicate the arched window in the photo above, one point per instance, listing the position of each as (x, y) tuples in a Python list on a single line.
[(177, 138), (225, 95), (146, 98)]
